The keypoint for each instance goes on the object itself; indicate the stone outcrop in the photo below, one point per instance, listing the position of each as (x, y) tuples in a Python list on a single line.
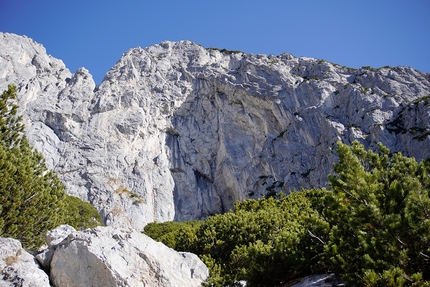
[(108, 256), (18, 267), (103, 256), (177, 131)]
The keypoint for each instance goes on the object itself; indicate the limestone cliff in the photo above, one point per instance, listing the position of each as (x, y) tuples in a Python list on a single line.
[(179, 131)]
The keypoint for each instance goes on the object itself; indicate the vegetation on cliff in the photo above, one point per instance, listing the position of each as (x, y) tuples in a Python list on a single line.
[(32, 198), (371, 227)]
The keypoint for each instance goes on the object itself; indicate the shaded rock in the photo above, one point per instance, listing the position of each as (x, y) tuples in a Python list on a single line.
[(107, 256), (52, 239), (18, 267), (321, 280)]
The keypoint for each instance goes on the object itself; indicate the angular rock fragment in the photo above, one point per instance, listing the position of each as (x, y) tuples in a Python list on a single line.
[(18, 267)]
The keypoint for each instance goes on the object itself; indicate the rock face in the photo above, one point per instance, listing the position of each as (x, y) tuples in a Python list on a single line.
[(18, 267), (107, 256), (177, 131)]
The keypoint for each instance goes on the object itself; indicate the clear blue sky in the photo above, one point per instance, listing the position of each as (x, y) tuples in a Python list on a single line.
[(94, 33)]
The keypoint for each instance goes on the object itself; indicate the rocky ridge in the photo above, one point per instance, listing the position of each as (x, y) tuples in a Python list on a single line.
[(179, 131)]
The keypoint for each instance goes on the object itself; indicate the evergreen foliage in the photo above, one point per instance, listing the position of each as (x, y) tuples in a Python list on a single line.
[(291, 242), (264, 241), (81, 214), (32, 198), (225, 51), (372, 228), (379, 213), (169, 232)]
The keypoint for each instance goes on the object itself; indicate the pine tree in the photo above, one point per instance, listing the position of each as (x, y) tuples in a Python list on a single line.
[(32, 198), (378, 209), (11, 127)]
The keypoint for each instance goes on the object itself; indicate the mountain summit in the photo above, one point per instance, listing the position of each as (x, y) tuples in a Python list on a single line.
[(179, 131)]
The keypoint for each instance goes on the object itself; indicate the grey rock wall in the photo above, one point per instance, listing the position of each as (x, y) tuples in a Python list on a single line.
[(177, 131)]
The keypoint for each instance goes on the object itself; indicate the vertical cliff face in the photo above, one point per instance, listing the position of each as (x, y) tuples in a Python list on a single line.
[(253, 124), (177, 131)]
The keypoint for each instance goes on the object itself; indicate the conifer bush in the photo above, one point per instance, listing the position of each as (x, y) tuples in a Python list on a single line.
[(81, 214), (32, 198), (378, 209), (171, 232), (371, 227), (262, 241)]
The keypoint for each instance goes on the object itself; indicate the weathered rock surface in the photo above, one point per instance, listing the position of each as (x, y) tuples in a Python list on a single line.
[(103, 256), (53, 238), (18, 267), (108, 256), (321, 280), (177, 131)]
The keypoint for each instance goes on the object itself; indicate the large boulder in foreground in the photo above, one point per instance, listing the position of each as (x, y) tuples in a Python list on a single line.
[(18, 267), (107, 256)]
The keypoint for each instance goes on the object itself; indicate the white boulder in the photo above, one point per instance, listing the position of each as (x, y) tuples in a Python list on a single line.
[(107, 256)]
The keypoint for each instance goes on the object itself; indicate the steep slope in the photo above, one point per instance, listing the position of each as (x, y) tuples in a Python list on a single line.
[(177, 131)]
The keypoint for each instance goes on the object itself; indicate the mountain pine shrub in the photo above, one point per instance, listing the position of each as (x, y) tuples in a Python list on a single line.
[(265, 241), (371, 227), (378, 209)]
